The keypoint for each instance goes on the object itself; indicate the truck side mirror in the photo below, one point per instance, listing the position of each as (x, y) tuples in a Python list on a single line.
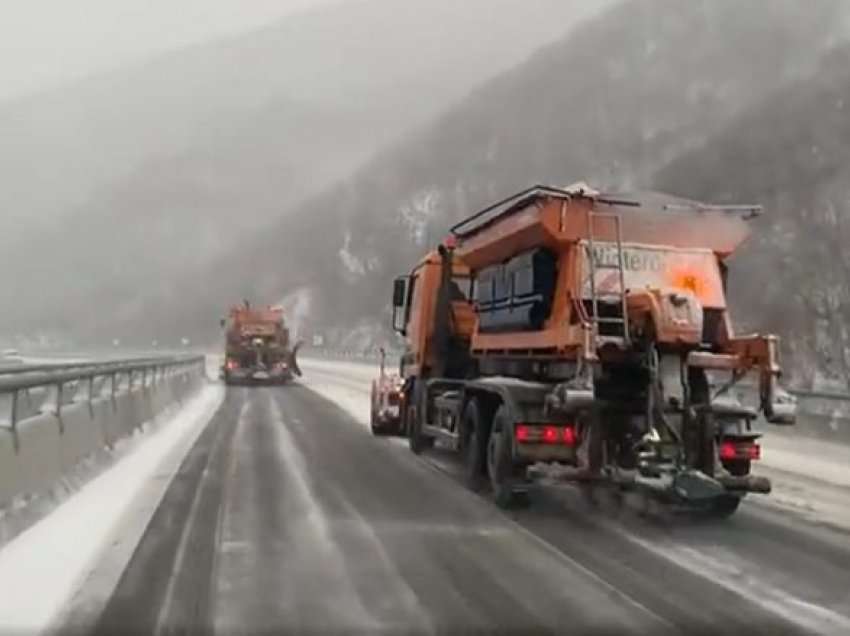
[(399, 289), (399, 301)]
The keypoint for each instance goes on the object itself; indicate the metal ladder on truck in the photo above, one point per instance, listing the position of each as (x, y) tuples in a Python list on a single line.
[(612, 296)]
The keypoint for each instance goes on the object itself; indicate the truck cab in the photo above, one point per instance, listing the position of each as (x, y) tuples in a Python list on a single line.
[(421, 316)]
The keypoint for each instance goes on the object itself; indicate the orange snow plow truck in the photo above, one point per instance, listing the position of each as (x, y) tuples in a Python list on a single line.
[(257, 347), (588, 332)]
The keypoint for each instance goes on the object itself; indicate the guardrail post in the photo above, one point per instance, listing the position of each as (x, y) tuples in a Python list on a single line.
[(91, 396), (58, 413), (113, 381), (13, 418)]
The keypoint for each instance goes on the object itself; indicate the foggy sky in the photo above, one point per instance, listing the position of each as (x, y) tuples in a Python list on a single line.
[(48, 42)]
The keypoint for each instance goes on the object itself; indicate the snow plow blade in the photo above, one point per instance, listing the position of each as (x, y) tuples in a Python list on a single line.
[(293, 360)]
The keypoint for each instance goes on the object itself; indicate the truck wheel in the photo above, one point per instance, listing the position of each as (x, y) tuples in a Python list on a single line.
[(724, 507), (506, 478), (398, 428), (474, 447), (416, 440), (375, 425)]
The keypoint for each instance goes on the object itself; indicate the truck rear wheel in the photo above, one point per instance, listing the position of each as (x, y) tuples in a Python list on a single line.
[(724, 507), (506, 478), (474, 447)]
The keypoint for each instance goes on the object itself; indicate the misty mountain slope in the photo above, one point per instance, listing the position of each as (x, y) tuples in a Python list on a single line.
[(791, 152), (177, 214), (401, 63), (611, 103), (123, 182)]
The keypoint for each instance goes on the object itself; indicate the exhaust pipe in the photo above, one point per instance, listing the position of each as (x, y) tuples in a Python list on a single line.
[(746, 483)]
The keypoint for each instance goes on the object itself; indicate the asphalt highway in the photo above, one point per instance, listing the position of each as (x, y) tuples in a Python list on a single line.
[(288, 517)]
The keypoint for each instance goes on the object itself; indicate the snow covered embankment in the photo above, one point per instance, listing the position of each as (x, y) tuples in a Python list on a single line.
[(74, 557), (810, 477)]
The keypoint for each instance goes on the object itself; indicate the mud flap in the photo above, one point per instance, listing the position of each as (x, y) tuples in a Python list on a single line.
[(780, 408)]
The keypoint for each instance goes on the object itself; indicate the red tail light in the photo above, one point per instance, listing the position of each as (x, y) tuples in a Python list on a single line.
[(741, 450), (545, 434)]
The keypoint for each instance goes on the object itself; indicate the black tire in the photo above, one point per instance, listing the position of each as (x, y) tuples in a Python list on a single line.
[(705, 431), (724, 507), (415, 439), (399, 430), (474, 447), (375, 425), (738, 467), (708, 444), (507, 480)]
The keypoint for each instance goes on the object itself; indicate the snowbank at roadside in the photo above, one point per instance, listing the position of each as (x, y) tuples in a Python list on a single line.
[(43, 567)]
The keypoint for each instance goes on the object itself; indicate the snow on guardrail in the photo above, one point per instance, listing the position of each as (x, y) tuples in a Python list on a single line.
[(52, 421)]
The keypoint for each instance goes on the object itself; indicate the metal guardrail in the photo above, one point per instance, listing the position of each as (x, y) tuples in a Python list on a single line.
[(371, 355), (136, 372), (824, 395), (24, 367), (349, 354), (804, 393)]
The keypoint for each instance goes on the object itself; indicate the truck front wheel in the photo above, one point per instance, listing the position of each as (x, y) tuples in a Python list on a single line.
[(413, 422), (376, 424)]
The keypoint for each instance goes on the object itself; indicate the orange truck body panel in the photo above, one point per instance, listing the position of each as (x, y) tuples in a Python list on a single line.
[(663, 250), (556, 223), (670, 245), (250, 322)]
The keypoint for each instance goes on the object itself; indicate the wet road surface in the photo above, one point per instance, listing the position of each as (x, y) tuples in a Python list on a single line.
[(287, 516)]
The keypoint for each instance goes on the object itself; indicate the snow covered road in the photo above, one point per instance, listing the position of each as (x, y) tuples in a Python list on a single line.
[(748, 556), (280, 513)]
